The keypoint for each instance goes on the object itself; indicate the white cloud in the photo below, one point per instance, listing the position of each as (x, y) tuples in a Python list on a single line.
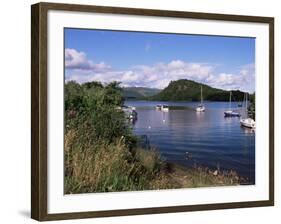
[(158, 75), (78, 60), (243, 80)]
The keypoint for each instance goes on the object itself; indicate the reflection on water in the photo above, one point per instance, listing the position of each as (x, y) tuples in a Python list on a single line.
[(209, 138)]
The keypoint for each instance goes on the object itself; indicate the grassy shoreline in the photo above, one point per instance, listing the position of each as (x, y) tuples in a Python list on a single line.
[(121, 169), (183, 177)]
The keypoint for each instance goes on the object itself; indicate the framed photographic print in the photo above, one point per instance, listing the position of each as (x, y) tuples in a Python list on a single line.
[(139, 111)]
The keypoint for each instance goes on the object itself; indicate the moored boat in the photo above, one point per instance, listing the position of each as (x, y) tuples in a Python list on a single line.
[(130, 112), (158, 107), (230, 112), (164, 108), (201, 107), (247, 121), (132, 107)]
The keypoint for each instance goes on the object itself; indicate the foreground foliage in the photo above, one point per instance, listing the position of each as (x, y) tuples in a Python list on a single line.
[(100, 150)]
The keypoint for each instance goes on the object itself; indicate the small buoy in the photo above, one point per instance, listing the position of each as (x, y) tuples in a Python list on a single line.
[(149, 127)]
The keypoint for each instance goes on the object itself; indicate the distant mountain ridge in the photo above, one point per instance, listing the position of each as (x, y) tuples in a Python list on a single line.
[(139, 92), (188, 90)]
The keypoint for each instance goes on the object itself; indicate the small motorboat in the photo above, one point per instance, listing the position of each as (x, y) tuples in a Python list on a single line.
[(158, 107), (132, 107), (130, 113), (230, 113), (164, 108)]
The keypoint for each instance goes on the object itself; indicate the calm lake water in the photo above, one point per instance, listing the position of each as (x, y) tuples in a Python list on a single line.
[(211, 139)]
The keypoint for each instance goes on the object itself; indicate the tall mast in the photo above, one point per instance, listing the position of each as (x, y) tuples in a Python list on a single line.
[(246, 109), (229, 99), (201, 96)]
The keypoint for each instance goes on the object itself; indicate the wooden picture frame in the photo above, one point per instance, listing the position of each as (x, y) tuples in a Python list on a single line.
[(39, 108)]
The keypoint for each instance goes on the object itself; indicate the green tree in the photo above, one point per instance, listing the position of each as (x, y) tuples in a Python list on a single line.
[(92, 104)]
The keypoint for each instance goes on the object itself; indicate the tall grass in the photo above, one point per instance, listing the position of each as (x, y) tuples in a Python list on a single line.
[(103, 167), (108, 167)]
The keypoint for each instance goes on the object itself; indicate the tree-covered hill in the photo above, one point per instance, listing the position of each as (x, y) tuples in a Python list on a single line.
[(187, 90)]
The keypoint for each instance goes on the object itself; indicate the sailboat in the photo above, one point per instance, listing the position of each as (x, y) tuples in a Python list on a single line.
[(229, 112), (247, 121), (201, 107)]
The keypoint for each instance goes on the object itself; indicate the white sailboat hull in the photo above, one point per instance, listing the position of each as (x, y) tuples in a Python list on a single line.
[(248, 123), (231, 113), (200, 109)]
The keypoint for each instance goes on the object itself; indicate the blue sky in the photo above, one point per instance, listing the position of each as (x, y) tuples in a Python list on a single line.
[(153, 59)]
